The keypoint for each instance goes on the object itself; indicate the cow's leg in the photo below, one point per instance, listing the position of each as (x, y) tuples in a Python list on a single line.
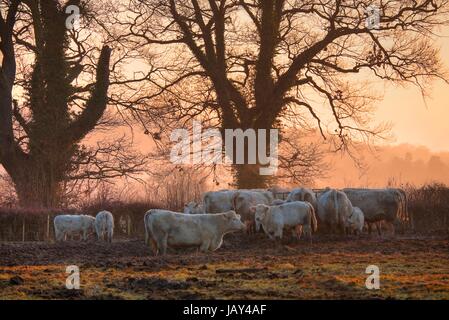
[(393, 228), (308, 232), (205, 246), (298, 231), (250, 227), (341, 229), (162, 244), (379, 229), (278, 234), (154, 247)]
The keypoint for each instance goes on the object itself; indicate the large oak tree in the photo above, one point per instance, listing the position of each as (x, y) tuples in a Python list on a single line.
[(269, 63)]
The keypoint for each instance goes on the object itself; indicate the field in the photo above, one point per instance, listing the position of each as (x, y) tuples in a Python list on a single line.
[(330, 268)]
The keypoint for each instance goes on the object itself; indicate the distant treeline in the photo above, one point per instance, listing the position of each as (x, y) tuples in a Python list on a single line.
[(388, 165), (428, 207)]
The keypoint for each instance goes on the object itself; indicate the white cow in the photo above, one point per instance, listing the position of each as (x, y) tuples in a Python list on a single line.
[(356, 221), (296, 214), (334, 209), (378, 205), (73, 225), (166, 228), (194, 208), (104, 225), (218, 201), (303, 194), (245, 199)]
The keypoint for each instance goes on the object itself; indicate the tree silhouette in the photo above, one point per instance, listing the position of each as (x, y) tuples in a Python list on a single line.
[(40, 136), (275, 63)]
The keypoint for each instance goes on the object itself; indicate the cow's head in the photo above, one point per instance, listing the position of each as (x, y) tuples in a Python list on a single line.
[(193, 208), (233, 221), (260, 211)]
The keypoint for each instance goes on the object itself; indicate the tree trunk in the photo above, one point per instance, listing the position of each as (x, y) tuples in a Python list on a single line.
[(37, 186), (247, 176), (250, 174)]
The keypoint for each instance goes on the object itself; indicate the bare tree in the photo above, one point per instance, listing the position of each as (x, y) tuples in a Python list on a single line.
[(59, 80), (267, 63)]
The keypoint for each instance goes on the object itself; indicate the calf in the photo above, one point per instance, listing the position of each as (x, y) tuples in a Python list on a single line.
[(296, 214), (165, 228), (356, 221)]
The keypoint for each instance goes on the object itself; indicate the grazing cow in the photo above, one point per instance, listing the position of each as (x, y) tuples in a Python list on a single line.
[(334, 209), (73, 225), (379, 205), (104, 225), (277, 202), (166, 228), (245, 199), (274, 219), (303, 194), (194, 208), (356, 221), (218, 201)]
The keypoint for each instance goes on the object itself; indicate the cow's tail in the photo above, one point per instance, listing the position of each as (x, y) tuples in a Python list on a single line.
[(147, 227), (313, 218)]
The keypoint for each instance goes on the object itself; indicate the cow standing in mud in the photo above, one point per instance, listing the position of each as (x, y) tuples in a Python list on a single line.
[(165, 228), (274, 219), (243, 200), (70, 225), (303, 194), (379, 205), (104, 225), (334, 210)]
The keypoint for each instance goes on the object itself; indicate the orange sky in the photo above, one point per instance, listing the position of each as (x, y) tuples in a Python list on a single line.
[(413, 121)]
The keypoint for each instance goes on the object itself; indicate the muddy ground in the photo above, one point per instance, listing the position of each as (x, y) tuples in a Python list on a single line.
[(330, 268)]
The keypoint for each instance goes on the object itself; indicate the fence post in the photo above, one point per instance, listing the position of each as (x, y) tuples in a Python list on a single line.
[(48, 227), (129, 226), (23, 230)]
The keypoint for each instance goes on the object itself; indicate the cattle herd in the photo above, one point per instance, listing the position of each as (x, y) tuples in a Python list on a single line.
[(203, 225)]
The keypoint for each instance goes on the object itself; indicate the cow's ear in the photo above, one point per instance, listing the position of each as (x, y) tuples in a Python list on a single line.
[(252, 209)]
